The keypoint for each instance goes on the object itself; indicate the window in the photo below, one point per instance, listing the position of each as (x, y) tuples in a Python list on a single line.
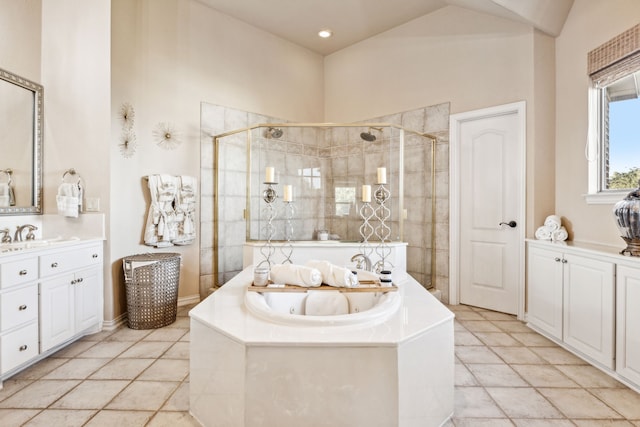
[(619, 124), (345, 199), (613, 149)]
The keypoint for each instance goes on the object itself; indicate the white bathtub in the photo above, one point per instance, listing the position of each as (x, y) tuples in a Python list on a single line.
[(290, 308), (248, 370)]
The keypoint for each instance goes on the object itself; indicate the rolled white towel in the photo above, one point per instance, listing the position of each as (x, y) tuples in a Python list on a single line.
[(292, 274), (559, 235), (334, 275), (543, 233), (553, 222)]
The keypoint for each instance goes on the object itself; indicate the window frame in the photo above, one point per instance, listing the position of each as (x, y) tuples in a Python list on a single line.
[(608, 63)]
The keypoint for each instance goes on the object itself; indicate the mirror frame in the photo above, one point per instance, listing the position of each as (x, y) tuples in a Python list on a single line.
[(38, 115)]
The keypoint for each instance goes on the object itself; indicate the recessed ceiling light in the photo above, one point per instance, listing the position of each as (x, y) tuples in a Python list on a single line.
[(326, 33)]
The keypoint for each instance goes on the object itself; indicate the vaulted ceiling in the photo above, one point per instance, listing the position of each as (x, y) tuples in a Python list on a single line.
[(354, 20)]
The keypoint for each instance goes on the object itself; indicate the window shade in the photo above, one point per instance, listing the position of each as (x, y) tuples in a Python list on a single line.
[(616, 58)]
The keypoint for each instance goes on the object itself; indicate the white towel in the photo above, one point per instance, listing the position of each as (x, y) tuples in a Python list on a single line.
[(543, 233), (326, 303), (292, 274), (5, 198), (68, 199), (559, 235), (553, 222), (333, 275)]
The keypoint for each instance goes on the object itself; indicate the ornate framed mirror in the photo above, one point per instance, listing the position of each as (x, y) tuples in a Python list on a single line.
[(21, 118)]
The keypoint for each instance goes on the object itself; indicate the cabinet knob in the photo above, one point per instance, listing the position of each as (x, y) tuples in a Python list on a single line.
[(23, 347), (564, 261), (94, 256), (556, 259), (80, 280), (23, 272), (54, 265), (23, 307)]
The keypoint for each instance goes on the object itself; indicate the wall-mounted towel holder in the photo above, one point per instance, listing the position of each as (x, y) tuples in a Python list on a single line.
[(71, 172)]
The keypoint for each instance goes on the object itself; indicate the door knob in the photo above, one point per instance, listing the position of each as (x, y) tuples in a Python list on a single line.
[(511, 224)]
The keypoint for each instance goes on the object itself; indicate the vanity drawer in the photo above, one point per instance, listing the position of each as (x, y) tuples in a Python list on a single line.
[(18, 347), (17, 272), (73, 259), (18, 307)]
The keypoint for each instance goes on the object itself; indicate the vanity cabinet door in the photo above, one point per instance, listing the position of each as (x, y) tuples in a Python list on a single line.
[(628, 323), (87, 299), (56, 311), (544, 290), (589, 305)]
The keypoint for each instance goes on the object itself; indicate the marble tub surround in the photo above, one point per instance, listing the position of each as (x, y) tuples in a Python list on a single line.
[(395, 373)]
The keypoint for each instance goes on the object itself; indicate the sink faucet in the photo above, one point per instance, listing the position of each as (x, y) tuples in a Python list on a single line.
[(361, 259), (30, 236), (6, 237)]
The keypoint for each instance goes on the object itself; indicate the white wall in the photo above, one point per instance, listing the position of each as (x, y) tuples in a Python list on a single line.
[(20, 37), (76, 79), (470, 59), (168, 56), (589, 24)]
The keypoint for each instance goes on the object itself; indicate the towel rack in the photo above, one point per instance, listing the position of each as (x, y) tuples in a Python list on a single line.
[(71, 171)]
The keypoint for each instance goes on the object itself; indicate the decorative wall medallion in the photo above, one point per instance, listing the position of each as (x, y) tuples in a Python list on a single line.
[(128, 143), (127, 116), (166, 136)]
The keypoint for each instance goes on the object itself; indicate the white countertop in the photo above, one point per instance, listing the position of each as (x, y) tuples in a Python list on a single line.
[(224, 311)]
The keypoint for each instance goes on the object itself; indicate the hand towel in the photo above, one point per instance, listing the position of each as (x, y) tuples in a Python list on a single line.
[(67, 200), (326, 303), (5, 198), (543, 233), (333, 275), (559, 235), (292, 274), (553, 222)]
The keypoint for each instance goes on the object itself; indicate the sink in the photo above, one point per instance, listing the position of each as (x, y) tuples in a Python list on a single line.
[(32, 244)]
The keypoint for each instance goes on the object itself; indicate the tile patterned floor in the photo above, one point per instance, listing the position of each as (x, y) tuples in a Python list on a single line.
[(506, 375)]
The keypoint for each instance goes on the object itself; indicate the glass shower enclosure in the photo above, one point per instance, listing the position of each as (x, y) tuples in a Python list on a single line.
[(317, 171)]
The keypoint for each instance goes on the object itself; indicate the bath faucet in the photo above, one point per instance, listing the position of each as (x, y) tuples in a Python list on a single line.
[(30, 236), (6, 237), (361, 259)]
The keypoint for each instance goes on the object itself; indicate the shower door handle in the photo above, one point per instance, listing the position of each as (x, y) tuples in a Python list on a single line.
[(511, 224)]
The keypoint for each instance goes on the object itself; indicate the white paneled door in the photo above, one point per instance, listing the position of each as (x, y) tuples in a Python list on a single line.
[(487, 213)]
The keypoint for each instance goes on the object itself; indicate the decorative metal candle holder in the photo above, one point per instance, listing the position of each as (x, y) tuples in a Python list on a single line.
[(269, 195), (287, 248), (382, 231), (366, 229)]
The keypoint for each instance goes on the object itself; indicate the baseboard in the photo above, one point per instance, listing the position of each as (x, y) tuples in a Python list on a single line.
[(110, 325), (191, 299)]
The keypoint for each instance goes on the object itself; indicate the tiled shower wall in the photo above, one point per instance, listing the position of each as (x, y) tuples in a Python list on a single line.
[(341, 155)]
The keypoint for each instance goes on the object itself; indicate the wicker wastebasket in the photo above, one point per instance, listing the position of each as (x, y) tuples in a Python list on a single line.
[(152, 289)]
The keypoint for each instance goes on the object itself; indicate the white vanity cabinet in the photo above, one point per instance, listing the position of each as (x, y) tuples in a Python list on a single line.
[(48, 297), (70, 293), (571, 298), (18, 312), (628, 322)]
